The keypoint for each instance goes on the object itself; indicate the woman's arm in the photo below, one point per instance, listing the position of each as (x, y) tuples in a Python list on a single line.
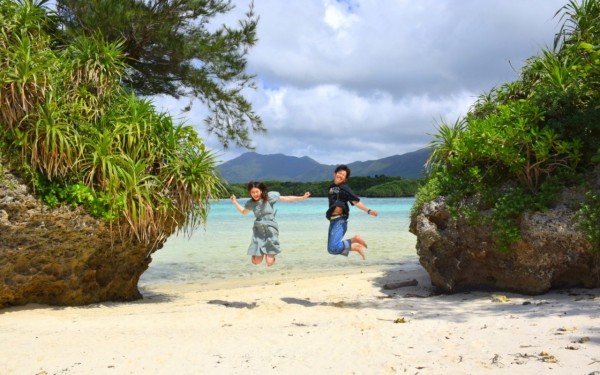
[(294, 198), (364, 208), (241, 209)]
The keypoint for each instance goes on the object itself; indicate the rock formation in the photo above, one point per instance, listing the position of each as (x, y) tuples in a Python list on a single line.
[(552, 253), (62, 256)]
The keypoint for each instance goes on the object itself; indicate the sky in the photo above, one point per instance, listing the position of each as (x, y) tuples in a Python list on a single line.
[(356, 80)]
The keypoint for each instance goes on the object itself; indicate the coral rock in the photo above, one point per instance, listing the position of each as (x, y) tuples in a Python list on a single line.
[(62, 256), (460, 255)]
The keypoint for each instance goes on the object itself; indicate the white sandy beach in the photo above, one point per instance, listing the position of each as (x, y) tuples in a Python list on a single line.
[(345, 323)]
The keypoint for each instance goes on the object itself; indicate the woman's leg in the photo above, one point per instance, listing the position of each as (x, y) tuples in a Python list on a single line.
[(257, 259), (270, 259)]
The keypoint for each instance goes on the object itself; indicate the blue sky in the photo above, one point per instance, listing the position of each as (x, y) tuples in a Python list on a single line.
[(355, 80)]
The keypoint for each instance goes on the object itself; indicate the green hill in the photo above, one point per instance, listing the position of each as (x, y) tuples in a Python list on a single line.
[(279, 167)]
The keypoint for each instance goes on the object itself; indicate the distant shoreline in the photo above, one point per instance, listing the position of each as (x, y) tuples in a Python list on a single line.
[(368, 187)]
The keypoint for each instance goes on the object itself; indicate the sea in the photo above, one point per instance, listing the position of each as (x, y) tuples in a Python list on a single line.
[(216, 251)]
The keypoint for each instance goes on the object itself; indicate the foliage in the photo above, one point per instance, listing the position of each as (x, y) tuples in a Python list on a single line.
[(83, 139), (444, 144), (589, 217), (522, 141), (510, 205), (378, 186), (172, 49)]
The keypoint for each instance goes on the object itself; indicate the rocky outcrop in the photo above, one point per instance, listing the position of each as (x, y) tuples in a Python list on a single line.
[(62, 256), (461, 255)]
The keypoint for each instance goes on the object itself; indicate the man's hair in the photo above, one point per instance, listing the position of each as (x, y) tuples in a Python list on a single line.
[(343, 167)]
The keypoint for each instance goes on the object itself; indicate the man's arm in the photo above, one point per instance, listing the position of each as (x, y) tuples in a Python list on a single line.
[(362, 206)]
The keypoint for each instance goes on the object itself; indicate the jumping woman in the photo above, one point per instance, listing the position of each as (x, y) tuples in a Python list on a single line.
[(265, 232)]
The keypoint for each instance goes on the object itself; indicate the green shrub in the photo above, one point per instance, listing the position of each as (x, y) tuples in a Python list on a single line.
[(589, 217), (522, 142)]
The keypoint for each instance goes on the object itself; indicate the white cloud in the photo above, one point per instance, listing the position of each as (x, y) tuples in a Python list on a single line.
[(338, 17), (359, 80)]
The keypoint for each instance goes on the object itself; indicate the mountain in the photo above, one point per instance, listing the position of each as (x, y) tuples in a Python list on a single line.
[(252, 166)]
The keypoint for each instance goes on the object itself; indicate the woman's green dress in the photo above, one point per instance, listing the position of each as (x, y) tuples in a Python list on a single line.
[(265, 232)]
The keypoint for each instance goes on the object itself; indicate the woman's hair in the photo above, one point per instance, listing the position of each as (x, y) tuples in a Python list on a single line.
[(343, 167), (260, 186)]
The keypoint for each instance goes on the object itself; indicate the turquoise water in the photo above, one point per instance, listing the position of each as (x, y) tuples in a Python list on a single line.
[(217, 251)]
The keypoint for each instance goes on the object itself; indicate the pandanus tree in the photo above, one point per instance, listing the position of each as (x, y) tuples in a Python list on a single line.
[(81, 136)]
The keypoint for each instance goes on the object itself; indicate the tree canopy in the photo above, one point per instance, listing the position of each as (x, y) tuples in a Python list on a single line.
[(173, 49)]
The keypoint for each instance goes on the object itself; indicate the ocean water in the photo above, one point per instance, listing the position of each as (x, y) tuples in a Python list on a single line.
[(217, 251)]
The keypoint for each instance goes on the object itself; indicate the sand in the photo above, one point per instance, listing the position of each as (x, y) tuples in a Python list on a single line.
[(342, 323)]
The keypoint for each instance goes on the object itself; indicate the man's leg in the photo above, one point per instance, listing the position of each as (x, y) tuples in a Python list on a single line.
[(335, 243), (358, 239)]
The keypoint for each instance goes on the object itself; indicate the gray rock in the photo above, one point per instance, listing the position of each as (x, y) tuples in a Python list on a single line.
[(552, 253), (62, 256)]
